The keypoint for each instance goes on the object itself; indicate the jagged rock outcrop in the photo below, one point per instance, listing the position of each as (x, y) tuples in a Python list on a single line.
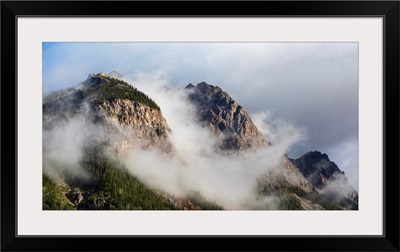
[(316, 167), (285, 174), (225, 118), (326, 176)]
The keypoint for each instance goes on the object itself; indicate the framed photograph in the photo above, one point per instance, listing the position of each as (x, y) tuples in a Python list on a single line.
[(268, 125)]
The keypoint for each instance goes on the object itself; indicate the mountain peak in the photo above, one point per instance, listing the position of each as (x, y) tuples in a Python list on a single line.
[(326, 176), (206, 88), (316, 167), (316, 155), (207, 91), (93, 81), (190, 86), (98, 87), (227, 120), (100, 74)]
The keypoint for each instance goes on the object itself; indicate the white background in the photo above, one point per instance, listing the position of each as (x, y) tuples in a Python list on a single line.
[(31, 220)]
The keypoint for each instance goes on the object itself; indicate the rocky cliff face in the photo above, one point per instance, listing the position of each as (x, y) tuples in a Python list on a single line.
[(135, 123), (225, 118), (317, 168)]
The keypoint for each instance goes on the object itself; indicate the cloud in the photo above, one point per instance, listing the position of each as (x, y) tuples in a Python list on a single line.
[(345, 155), (277, 130), (64, 143)]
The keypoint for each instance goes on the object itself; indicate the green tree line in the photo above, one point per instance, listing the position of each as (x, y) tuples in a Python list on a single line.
[(114, 88)]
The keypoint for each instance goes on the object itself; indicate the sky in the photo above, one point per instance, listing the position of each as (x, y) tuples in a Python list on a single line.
[(308, 87)]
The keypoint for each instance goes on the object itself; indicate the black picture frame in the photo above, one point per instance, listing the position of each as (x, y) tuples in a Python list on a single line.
[(11, 10)]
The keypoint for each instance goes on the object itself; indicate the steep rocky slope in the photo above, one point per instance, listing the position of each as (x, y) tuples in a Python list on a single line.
[(135, 123), (317, 168), (225, 117)]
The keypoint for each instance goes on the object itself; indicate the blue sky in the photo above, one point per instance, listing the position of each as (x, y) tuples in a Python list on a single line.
[(313, 86)]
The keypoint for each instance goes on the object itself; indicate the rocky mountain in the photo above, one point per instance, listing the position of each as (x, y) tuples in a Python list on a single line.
[(225, 117), (326, 176), (317, 168), (129, 115), (127, 119)]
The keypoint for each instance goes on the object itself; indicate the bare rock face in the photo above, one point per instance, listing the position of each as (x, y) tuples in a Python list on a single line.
[(285, 174), (136, 123), (225, 118), (149, 121), (294, 176)]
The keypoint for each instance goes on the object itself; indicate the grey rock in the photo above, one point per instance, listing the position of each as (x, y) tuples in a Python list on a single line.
[(316, 167), (327, 178), (75, 196), (225, 118)]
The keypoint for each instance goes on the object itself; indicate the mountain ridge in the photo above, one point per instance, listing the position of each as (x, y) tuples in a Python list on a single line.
[(131, 118)]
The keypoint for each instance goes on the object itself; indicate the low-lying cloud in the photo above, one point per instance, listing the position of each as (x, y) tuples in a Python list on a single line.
[(64, 143), (197, 167), (277, 130)]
